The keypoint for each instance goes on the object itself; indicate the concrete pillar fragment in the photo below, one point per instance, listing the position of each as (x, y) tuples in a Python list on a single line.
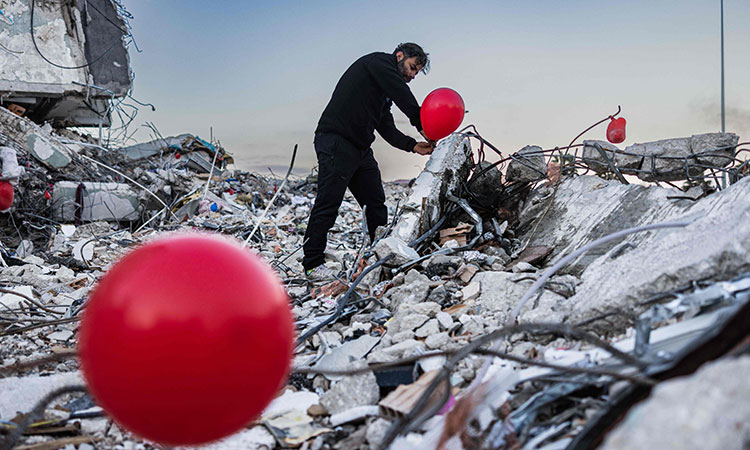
[(449, 165)]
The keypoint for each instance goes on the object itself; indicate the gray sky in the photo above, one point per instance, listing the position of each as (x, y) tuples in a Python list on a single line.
[(260, 73)]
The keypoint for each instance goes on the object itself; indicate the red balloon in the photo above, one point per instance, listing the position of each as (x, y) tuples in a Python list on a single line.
[(442, 112), (186, 339), (6, 195), (616, 130)]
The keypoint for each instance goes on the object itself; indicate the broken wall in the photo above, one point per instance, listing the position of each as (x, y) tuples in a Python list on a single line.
[(85, 37)]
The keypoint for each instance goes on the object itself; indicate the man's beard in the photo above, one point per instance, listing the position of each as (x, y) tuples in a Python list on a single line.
[(402, 70)]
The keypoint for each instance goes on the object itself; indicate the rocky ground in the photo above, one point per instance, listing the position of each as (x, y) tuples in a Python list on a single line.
[(423, 320)]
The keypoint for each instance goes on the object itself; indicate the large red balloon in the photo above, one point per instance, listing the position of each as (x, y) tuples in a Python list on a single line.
[(6, 195), (442, 112), (186, 339)]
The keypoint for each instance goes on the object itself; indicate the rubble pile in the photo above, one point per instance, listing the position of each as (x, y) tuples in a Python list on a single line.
[(470, 322)]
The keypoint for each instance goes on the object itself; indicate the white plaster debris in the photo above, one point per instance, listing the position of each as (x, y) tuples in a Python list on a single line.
[(20, 394), (13, 301)]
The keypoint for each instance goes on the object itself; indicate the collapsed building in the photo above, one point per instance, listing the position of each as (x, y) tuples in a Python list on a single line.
[(576, 297), (529, 302), (64, 62)]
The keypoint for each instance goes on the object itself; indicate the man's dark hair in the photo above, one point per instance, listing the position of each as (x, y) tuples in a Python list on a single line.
[(411, 49)]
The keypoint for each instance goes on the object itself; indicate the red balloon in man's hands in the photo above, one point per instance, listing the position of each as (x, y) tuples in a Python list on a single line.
[(6, 195), (616, 130), (442, 112), (186, 339)]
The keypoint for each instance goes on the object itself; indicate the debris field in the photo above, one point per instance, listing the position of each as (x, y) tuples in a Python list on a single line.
[(531, 302)]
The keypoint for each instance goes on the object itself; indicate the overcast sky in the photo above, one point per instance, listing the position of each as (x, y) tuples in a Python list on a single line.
[(534, 72)]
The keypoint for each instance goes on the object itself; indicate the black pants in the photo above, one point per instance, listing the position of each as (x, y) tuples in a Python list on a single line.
[(341, 165)]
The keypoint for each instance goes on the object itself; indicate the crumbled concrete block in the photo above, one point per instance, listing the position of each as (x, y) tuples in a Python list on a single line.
[(527, 165), (413, 321), (626, 164), (523, 267), (471, 291), (402, 336), (430, 309), (449, 166), (429, 328), (445, 320), (708, 409), (100, 201), (376, 432), (349, 392), (398, 250), (437, 340)]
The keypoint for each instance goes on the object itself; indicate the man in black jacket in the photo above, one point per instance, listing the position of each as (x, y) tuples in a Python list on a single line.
[(360, 104)]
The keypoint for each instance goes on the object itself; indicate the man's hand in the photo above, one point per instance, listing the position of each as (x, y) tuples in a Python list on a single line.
[(433, 143), (423, 148)]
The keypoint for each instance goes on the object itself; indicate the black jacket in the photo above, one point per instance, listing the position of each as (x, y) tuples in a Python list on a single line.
[(361, 103)]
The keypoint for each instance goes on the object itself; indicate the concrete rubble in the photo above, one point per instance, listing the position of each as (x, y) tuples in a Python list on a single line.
[(476, 326), (435, 291)]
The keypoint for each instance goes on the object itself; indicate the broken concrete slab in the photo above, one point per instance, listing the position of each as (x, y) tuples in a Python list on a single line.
[(672, 159), (447, 168), (714, 149), (151, 148), (342, 357), (587, 208), (627, 164), (715, 246), (47, 152), (666, 159), (706, 410), (99, 201), (500, 293), (527, 165), (415, 289)]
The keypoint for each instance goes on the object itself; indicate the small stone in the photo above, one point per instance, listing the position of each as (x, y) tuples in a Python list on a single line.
[(445, 320), (523, 267), (471, 324), (430, 309), (316, 411), (437, 341), (402, 336), (399, 349), (468, 273), (471, 291), (498, 267), (429, 328), (351, 391), (527, 165), (399, 251), (413, 321), (376, 432), (439, 265), (439, 295)]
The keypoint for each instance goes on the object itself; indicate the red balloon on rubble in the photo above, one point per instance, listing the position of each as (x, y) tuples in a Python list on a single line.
[(186, 339), (442, 112), (6, 195), (616, 130)]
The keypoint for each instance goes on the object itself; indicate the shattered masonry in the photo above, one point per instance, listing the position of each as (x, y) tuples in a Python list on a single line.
[(467, 242)]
